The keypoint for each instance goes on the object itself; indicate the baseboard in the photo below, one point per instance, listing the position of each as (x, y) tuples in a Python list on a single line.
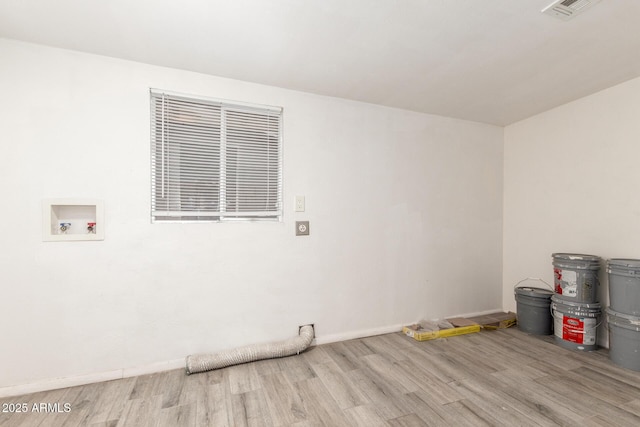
[(154, 367), (168, 365), (56, 383), (326, 339), (478, 313)]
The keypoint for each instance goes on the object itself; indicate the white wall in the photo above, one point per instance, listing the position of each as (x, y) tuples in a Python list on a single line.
[(571, 185), (405, 211)]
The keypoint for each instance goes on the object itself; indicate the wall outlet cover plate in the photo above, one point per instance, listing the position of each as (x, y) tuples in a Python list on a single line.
[(302, 228)]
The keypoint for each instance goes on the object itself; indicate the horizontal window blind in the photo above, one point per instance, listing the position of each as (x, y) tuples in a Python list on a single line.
[(214, 160)]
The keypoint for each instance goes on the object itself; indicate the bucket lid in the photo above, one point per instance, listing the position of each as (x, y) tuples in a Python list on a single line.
[(534, 292), (576, 261), (576, 306), (575, 257), (624, 263), (623, 320)]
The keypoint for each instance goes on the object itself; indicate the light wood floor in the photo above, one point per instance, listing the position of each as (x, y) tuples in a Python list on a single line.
[(500, 377)]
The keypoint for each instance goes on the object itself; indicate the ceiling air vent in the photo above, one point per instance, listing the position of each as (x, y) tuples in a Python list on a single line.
[(567, 9)]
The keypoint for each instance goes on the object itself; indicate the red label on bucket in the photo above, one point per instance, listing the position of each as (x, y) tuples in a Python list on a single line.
[(572, 330), (558, 276)]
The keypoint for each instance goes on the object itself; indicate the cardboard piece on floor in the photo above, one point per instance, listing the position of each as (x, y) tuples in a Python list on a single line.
[(461, 321), (497, 320)]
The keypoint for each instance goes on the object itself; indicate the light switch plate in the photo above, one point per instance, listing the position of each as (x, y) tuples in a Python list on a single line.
[(302, 228)]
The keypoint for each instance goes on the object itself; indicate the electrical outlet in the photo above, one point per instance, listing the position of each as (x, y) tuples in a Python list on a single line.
[(299, 207), (302, 228)]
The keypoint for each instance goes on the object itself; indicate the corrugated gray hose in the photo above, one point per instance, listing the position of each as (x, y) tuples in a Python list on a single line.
[(251, 353)]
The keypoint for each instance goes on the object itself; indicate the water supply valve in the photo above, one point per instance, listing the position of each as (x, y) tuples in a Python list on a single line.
[(64, 226), (91, 227)]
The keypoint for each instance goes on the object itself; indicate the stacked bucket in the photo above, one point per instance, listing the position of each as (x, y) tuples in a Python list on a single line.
[(533, 308), (623, 314), (574, 305)]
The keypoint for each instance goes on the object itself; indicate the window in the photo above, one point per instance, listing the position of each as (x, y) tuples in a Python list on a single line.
[(214, 160)]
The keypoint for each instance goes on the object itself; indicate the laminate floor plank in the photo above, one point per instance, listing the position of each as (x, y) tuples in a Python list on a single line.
[(389, 346), (498, 378), (498, 410), (603, 421), (359, 347), (428, 363), (602, 383), (432, 413), (433, 346), (595, 422), (410, 420), (194, 386), (140, 412), (478, 363), (285, 405), (242, 378), (388, 401), (463, 413), (494, 354), (198, 395), (447, 367), (542, 401), (213, 405), (585, 400), (391, 373), (142, 386), (112, 401), (590, 388), (172, 416), (269, 366), (364, 416), (316, 355), (543, 348), (250, 409), (320, 405), (105, 424), (632, 407), (297, 369), (340, 386), (307, 423), (342, 356), (171, 387), (615, 372), (480, 414), (439, 391)]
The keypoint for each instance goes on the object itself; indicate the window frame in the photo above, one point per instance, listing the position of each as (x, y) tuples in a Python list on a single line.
[(272, 184)]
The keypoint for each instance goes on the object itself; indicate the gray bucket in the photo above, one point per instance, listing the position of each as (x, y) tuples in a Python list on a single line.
[(576, 277), (533, 309), (624, 285), (624, 339), (575, 324)]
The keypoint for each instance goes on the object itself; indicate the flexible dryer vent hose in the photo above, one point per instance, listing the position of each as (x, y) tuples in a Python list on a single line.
[(251, 353)]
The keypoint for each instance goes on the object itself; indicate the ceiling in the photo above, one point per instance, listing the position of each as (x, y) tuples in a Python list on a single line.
[(491, 61)]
